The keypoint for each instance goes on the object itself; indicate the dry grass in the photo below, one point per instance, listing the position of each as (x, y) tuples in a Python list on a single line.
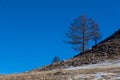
[(80, 74)]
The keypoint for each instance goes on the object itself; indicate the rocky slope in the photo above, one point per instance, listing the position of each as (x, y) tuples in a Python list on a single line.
[(102, 62), (107, 70), (106, 49)]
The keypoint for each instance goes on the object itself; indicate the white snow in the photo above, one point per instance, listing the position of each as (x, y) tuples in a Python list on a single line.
[(105, 64)]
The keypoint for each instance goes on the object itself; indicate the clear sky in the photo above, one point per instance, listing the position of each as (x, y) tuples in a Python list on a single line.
[(32, 31)]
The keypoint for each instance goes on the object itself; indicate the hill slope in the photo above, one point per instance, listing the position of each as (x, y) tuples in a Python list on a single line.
[(106, 49), (108, 70), (102, 62)]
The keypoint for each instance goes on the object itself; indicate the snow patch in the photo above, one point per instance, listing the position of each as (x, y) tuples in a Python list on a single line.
[(105, 64)]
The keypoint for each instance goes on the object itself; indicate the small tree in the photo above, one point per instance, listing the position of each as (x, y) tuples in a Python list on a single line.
[(56, 59)]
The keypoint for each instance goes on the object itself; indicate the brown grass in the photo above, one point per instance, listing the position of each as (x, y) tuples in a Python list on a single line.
[(60, 74)]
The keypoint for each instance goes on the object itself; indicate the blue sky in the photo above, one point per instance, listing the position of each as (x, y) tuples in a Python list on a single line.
[(32, 31)]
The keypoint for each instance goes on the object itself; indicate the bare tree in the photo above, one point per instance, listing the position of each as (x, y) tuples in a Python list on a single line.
[(95, 34), (79, 34)]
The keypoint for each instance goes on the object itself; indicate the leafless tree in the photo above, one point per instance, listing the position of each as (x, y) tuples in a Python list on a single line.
[(79, 34), (95, 34)]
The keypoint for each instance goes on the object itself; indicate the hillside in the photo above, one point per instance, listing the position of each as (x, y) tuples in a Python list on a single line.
[(108, 70), (106, 49), (102, 62)]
